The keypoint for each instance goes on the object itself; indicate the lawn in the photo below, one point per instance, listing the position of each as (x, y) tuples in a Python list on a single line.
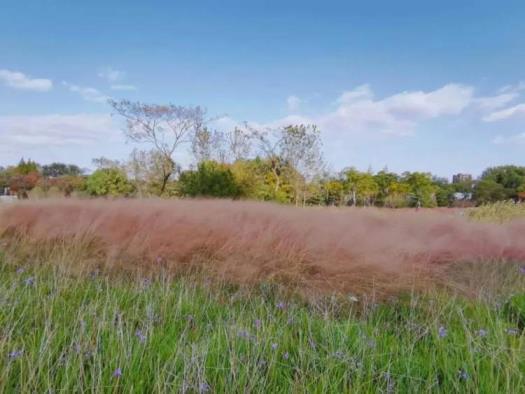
[(63, 333)]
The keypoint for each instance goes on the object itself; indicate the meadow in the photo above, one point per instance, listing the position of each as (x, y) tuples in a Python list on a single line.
[(230, 296)]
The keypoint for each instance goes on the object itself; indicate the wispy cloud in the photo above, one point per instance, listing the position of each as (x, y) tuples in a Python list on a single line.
[(111, 75), (87, 93), (507, 113), (18, 80), (22, 132), (123, 87), (495, 102)]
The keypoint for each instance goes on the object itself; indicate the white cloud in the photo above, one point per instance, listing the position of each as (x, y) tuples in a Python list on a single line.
[(513, 139), (18, 80), (513, 88), (494, 102), (293, 103), (111, 75), (362, 92), (357, 110), (19, 132), (87, 93), (123, 87), (506, 113)]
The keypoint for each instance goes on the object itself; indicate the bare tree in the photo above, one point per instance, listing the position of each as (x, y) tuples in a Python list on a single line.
[(240, 142), (296, 148), (209, 145), (148, 169), (165, 127), (104, 162)]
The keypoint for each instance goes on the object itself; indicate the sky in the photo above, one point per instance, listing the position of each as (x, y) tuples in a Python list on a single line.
[(408, 85)]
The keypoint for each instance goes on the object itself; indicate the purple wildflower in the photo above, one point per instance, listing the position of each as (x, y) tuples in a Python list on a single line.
[(286, 356), (339, 354), (512, 331), (390, 384), (442, 332), (15, 354), (140, 335), (204, 387), (29, 281), (482, 333), (522, 270), (159, 259), (280, 305), (20, 270), (117, 373), (274, 346), (244, 334), (463, 375), (257, 323)]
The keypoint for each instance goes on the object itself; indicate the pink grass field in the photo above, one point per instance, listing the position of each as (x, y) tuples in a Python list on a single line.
[(339, 249)]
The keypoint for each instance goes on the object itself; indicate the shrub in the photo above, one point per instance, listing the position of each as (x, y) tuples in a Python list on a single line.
[(109, 182)]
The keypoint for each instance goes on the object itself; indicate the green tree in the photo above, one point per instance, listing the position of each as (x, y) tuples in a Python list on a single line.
[(488, 190), (26, 167), (509, 178), (333, 192), (55, 170), (352, 177), (211, 179), (367, 188), (384, 180), (109, 182), (421, 189), (444, 192)]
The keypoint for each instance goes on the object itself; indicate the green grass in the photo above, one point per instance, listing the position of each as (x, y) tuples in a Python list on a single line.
[(502, 211), (64, 333)]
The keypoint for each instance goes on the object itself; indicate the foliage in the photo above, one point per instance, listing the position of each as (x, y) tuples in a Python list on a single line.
[(109, 182), (421, 189), (499, 183), (211, 179), (150, 172), (22, 184), (26, 167), (55, 170)]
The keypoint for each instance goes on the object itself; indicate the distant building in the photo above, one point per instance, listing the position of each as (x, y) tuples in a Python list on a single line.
[(458, 196), (461, 178)]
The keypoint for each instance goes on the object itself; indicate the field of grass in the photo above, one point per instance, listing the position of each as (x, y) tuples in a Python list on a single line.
[(74, 319), (499, 212)]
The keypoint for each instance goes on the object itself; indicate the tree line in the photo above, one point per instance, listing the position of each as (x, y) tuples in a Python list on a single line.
[(283, 164)]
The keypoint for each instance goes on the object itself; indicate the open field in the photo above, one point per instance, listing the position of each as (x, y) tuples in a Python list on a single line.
[(218, 296)]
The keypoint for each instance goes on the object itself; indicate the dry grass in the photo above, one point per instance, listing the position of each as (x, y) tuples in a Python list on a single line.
[(350, 250)]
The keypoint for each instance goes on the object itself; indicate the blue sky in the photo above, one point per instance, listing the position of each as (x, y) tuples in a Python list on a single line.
[(405, 84)]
